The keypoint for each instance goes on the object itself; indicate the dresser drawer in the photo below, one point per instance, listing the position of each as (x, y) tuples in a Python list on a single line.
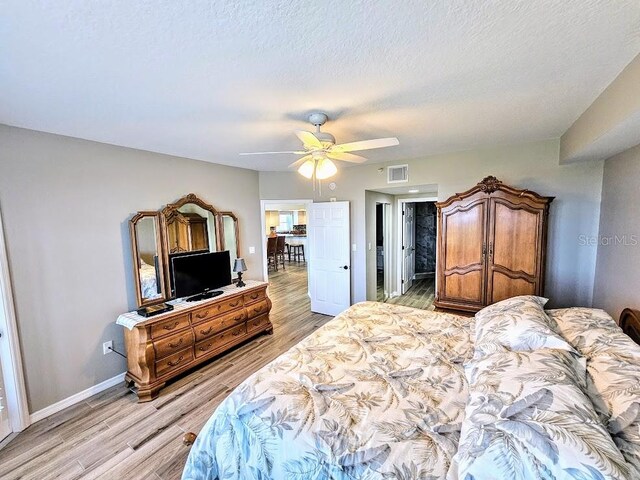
[(173, 343), (255, 296), (206, 346), (211, 327), (206, 313), (256, 309), (171, 325), (174, 361), (259, 323)]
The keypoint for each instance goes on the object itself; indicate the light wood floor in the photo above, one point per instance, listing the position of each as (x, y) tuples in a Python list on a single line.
[(420, 295), (111, 436)]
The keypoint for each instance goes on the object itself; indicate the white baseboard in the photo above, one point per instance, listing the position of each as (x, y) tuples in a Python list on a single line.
[(73, 399)]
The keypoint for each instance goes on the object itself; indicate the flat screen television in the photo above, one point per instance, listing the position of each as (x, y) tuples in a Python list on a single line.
[(200, 273)]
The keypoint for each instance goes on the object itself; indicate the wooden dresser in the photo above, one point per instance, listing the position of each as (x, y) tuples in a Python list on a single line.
[(161, 347), (491, 245)]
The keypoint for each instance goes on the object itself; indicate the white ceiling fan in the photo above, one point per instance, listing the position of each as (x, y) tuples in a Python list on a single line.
[(320, 148)]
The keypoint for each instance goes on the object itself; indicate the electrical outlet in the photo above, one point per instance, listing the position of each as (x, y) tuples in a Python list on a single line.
[(252, 249), (107, 347)]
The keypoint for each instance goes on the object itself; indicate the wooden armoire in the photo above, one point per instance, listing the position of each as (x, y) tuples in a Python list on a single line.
[(187, 232), (491, 245)]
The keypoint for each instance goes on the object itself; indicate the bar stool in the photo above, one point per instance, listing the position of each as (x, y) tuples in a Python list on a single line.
[(297, 251)]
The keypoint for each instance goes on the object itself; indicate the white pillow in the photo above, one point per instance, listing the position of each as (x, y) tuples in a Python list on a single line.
[(518, 324)]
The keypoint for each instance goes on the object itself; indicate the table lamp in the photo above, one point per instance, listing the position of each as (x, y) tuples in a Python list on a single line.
[(239, 266)]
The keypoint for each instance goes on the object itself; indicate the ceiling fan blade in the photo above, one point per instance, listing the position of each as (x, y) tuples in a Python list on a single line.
[(366, 145), (271, 153), (308, 139), (345, 157), (300, 161)]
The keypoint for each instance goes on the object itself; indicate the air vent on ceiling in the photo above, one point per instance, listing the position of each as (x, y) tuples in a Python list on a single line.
[(398, 173)]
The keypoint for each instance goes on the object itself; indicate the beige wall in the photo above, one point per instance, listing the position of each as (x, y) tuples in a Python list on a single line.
[(65, 205), (575, 211), (611, 124), (617, 282)]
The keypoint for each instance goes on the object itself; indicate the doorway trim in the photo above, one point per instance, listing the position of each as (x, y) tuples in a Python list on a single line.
[(263, 228), (10, 356), (399, 232)]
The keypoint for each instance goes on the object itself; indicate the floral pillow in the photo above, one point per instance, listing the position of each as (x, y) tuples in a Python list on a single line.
[(518, 324), (527, 417), (592, 331)]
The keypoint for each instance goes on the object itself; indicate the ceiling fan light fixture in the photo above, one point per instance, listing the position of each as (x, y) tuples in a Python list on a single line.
[(325, 169), (306, 169)]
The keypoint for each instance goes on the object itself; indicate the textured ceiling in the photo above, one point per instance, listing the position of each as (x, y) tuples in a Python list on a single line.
[(210, 79)]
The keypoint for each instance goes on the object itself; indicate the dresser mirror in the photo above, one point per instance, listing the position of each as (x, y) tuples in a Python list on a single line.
[(146, 245), (186, 227), (230, 236)]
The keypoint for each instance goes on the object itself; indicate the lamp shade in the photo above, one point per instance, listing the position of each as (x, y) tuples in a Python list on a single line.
[(239, 265), (306, 169), (325, 169)]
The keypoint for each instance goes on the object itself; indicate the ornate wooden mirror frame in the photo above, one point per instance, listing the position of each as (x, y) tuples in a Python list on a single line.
[(162, 241), (158, 263)]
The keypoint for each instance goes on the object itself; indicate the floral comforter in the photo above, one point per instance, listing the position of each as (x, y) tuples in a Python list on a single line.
[(389, 392), (379, 392)]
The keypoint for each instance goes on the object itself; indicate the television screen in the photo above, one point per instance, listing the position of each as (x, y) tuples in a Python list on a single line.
[(193, 274)]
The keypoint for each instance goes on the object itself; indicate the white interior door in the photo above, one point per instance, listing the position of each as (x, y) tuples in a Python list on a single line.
[(5, 426), (329, 257), (409, 246)]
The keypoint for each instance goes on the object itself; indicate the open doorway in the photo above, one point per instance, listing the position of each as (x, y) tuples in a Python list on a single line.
[(417, 241), (383, 249), (14, 416), (285, 247)]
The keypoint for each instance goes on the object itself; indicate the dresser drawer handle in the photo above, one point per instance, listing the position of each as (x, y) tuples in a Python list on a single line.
[(254, 296), (204, 349), (176, 345), (234, 304), (207, 332), (202, 315), (177, 362), (257, 309), (171, 327), (236, 333), (237, 318)]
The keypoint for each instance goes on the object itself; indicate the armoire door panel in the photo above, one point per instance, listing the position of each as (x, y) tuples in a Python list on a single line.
[(467, 286), (465, 232), (514, 243), (504, 286)]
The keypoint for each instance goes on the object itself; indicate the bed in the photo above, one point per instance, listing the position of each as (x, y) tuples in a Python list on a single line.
[(391, 392), (148, 281)]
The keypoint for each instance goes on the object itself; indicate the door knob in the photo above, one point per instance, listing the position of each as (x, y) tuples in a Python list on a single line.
[(346, 267)]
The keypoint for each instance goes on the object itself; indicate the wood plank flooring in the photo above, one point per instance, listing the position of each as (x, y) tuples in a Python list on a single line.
[(111, 436), (420, 295)]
